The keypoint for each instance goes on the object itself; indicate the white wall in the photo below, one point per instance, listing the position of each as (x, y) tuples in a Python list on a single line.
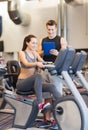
[(77, 25), (39, 12)]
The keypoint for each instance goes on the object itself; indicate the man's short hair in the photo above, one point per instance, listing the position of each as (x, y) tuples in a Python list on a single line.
[(51, 23)]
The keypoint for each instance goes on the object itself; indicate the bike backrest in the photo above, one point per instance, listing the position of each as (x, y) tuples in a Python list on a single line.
[(13, 70), (64, 59), (79, 61)]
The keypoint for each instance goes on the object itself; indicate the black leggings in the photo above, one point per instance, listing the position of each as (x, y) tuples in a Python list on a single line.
[(35, 82)]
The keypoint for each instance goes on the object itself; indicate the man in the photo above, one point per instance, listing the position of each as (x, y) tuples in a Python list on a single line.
[(60, 42)]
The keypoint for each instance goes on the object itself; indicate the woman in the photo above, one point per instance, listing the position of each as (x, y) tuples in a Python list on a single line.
[(28, 78)]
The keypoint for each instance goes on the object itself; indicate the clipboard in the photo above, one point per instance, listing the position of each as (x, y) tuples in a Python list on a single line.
[(47, 46)]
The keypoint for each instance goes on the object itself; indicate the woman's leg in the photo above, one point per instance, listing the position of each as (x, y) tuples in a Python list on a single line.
[(52, 89), (38, 87), (58, 83), (33, 82), (49, 87)]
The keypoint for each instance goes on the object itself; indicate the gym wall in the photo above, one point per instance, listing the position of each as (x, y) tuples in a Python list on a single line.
[(39, 12), (77, 25)]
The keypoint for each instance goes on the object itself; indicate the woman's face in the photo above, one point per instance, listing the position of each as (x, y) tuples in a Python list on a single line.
[(32, 45)]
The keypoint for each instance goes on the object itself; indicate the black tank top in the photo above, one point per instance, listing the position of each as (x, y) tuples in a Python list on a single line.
[(56, 40)]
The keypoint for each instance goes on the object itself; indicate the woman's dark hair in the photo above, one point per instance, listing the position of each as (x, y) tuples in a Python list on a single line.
[(27, 39), (51, 23)]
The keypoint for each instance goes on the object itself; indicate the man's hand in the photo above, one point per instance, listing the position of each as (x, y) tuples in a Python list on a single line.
[(54, 52)]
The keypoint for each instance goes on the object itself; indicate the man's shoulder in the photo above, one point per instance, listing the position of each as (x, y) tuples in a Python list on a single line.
[(57, 36), (45, 38)]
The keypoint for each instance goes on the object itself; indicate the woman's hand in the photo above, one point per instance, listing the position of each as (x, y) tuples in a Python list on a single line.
[(40, 64)]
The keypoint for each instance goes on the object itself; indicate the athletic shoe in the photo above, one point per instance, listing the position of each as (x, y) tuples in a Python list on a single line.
[(55, 126), (43, 108), (40, 106), (44, 124)]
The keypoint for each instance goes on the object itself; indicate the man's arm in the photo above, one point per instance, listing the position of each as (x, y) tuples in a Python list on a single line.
[(63, 43), (39, 49)]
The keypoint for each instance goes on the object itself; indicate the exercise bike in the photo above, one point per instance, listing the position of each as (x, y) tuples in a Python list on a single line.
[(67, 119), (28, 109)]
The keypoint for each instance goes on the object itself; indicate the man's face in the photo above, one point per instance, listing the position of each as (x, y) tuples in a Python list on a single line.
[(51, 30)]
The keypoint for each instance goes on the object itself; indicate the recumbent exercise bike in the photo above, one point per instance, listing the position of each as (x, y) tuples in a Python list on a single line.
[(27, 108)]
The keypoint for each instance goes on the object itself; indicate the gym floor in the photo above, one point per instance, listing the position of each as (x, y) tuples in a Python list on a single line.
[(27, 129)]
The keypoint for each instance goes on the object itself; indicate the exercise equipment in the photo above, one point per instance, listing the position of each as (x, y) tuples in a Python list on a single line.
[(23, 103), (0, 26), (62, 109), (75, 117), (26, 107), (79, 61), (2, 90), (77, 67)]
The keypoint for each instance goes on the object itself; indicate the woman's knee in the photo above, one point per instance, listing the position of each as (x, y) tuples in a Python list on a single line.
[(55, 91)]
